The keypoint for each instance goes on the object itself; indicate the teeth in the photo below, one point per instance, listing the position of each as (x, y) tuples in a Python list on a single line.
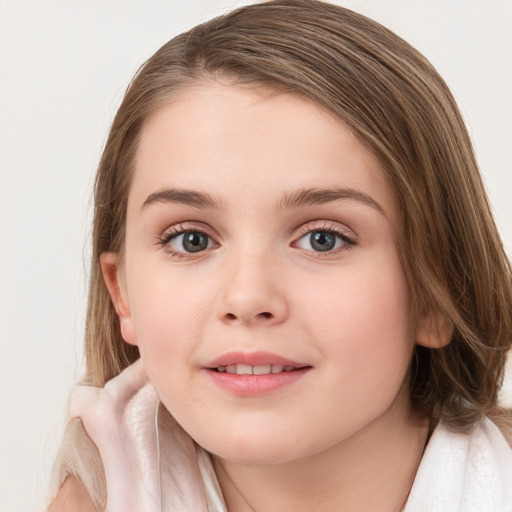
[(262, 370), (245, 369)]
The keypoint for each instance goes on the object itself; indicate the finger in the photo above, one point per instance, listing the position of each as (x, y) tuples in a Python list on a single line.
[(82, 399), (127, 383)]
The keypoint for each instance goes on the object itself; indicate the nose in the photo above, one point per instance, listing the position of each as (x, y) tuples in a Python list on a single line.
[(253, 292)]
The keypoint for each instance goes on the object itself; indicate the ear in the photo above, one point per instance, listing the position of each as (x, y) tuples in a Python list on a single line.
[(433, 331), (112, 275)]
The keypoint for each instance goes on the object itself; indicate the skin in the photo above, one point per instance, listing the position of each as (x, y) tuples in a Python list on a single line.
[(72, 497), (343, 433)]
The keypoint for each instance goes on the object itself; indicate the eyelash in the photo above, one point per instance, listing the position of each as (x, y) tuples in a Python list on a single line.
[(180, 229), (175, 231), (327, 227)]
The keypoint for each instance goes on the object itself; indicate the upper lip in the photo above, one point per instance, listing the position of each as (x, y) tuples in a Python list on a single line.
[(260, 358)]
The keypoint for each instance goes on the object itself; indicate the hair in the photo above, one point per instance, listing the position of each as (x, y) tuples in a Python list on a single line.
[(399, 107)]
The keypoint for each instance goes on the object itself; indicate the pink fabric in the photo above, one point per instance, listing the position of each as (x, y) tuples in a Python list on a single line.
[(133, 433)]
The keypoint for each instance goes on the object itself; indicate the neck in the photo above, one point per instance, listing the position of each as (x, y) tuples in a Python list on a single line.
[(373, 470)]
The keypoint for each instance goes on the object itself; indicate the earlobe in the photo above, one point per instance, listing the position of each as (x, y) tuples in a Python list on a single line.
[(110, 268), (433, 331)]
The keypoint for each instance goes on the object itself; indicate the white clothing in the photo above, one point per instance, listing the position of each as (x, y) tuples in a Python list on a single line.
[(464, 472)]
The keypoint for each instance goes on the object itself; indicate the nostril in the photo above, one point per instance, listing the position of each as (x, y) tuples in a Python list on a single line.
[(263, 315)]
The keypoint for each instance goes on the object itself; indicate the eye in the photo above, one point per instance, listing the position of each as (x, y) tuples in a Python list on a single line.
[(180, 242), (320, 241), (190, 241), (324, 240)]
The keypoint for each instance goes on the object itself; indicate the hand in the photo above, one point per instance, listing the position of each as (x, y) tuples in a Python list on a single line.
[(120, 420)]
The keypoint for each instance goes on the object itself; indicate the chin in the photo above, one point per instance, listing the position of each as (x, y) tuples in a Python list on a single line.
[(255, 456), (254, 451)]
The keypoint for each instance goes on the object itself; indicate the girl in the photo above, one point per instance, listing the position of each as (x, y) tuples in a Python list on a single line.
[(299, 299)]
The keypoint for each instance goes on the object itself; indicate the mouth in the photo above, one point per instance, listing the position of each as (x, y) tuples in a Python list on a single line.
[(254, 373), (253, 363), (247, 369)]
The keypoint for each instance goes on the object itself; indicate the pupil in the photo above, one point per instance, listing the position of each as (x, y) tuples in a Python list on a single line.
[(322, 241), (195, 242)]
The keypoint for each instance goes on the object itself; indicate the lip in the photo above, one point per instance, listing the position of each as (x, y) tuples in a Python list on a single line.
[(260, 358), (254, 385)]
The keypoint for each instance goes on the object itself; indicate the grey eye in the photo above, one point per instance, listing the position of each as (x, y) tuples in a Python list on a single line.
[(191, 242), (320, 241)]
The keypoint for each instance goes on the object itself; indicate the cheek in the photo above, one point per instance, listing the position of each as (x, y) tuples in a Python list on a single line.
[(167, 315), (362, 318)]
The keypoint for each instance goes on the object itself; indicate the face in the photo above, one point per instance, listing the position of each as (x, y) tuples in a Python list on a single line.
[(260, 279)]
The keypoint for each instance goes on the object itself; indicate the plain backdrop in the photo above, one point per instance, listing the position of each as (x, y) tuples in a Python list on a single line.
[(64, 67)]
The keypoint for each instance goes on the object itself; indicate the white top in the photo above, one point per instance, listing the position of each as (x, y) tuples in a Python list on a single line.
[(134, 433), (464, 472)]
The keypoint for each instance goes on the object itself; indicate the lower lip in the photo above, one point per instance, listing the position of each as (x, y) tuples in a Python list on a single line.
[(255, 385)]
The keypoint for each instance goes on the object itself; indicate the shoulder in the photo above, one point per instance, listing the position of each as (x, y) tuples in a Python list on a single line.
[(464, 471), (72, 497)]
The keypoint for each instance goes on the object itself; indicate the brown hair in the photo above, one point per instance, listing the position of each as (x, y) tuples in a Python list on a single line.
[(399, 107)]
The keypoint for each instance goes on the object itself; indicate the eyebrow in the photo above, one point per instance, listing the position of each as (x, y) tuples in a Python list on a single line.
[(182, 196), (296, 199), (318, 196)]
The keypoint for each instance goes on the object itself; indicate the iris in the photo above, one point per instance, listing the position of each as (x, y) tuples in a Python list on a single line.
[(322, 241)]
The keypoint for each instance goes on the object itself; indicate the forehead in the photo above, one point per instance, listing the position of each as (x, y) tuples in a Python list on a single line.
[(251, 141)]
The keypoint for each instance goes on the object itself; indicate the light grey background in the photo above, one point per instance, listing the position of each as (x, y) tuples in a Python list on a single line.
[(64, 67)]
